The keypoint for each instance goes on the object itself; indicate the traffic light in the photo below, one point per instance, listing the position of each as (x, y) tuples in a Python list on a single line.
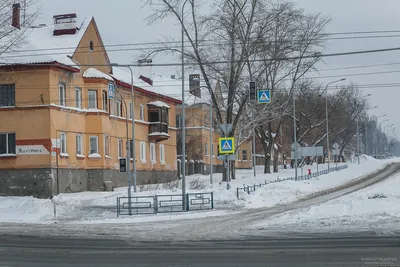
[(253, 91)]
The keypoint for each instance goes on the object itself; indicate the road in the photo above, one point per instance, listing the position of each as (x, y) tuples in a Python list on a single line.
[(333, 251)]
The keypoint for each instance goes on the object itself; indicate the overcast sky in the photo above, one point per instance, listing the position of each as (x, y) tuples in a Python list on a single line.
[(122, 21)]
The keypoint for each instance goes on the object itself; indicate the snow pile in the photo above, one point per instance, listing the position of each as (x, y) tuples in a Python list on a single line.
[(159, 104), (25, 209), (94, 73)]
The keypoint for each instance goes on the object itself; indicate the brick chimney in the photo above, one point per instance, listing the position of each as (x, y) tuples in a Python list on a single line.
[(16, 16), (65, 24)]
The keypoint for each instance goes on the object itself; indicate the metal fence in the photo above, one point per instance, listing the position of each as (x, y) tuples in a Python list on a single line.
[(164, 203), (251, 188)]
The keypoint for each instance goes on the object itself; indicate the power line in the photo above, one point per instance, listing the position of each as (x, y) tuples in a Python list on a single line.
[(209, 43), (315, 55)]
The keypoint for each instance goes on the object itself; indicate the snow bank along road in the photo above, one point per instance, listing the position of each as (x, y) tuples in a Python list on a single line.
[(232, 226)]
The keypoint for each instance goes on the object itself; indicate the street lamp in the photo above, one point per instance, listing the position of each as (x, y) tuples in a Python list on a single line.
[(326, 113), (133, 134), (358, 132), (183, 159)]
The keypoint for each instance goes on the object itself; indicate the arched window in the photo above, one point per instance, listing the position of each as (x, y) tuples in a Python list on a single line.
[(91, 46)]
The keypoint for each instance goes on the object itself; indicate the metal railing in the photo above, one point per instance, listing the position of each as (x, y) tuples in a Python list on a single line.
[(164, 203), (251, 188)]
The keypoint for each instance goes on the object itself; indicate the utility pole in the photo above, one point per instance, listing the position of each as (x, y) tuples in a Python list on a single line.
[(295, 135)]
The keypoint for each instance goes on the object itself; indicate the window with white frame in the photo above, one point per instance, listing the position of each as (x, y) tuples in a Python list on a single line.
[(79, 144), (143, 152), (120, 148), (130, 110), (142, 112), (78, 97), (61, 95), (93, 144), (7, 93), (153, 153), (206, 149), (162, 153), (7, 143), (63, 143), (92, 99), (106, 145), (119, 108)]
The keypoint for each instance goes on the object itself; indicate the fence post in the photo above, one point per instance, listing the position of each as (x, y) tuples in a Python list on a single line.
[(237, 192), (155, 200), (212, 200), (117, 207), (187, 202)]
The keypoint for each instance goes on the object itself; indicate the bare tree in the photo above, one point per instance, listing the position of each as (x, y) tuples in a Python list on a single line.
[(11, 37)]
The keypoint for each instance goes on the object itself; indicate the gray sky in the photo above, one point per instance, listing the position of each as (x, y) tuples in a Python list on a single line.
[(122, 21)]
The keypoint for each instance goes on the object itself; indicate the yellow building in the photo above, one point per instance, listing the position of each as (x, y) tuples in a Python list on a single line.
[(59, 129)]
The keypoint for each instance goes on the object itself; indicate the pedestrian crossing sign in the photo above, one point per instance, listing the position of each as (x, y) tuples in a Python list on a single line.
[(227, 145), (263, 96)]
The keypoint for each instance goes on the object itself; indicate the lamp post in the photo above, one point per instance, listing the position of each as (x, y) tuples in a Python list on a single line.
[(326, 114), (183, 160), (358, 132), (133, 134)]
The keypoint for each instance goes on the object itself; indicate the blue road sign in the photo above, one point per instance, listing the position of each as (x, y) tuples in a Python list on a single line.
[(111, 88), (263, 96), (227, 145)]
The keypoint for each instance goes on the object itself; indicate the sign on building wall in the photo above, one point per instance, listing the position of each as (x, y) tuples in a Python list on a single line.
[(32, 150)]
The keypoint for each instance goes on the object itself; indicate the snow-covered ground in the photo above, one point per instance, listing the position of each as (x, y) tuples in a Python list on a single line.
[(100, 207), (375, 208)]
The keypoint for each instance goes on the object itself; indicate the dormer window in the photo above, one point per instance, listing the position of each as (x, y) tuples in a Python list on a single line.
[(91, 46)]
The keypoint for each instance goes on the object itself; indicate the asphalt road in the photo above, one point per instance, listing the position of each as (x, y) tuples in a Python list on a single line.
[(307, 252)]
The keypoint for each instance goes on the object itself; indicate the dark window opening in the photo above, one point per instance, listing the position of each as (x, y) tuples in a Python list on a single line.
[(91, 46), (7, 95)]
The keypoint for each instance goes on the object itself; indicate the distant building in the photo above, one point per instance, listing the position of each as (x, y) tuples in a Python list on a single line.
[(59, 130)]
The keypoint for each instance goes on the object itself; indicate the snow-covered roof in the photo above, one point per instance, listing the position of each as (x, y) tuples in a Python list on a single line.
[(41, 46), (159, 104), (94, 73)]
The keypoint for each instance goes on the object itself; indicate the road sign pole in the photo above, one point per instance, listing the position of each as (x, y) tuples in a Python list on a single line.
[(228, 185), (295, 135)]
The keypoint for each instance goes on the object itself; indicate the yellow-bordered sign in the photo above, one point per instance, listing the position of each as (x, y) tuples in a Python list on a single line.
[(226, 145)]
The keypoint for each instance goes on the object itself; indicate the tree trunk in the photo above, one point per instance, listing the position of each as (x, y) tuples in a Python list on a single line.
[(276, 154)]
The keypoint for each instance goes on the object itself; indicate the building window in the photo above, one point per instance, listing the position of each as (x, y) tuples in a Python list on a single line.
[(212, 149), (106, 145), (130, 110), (162, 153), (244, 154), (142, 112), (78, 97), (105, 101), (63, 143), (7, 95), (143, 152), (61, 95), (93, 145), (153, 153), (205, 121), (206, 149), (91, 46), (178, 121), (120, 148), (119, 108), (79, 144), (92, 99), (7, 143), (131, 148)]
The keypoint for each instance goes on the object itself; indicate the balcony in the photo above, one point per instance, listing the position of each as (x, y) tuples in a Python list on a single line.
[(158, 118), (158, 131)]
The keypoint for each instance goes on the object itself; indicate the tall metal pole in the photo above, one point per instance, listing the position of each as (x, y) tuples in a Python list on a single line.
[(133, 133), (183, 114), (326, 114), (211, 143), (327, 124), (358, 142), (295, 136), (254, 147)]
